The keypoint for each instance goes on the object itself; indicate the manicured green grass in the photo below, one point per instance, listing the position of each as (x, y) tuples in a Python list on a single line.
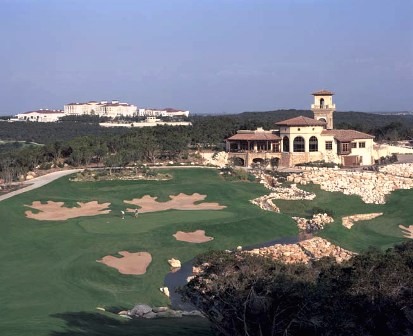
[(49, 269), (51, 283), (381, 232)]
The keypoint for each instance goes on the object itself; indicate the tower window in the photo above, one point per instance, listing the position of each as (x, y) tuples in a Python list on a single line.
[(322, 103)]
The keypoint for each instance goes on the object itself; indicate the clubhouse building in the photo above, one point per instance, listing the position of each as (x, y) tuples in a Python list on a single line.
[(301, 140)]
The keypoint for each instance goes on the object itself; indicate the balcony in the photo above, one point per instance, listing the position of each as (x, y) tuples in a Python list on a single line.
[(323, 107)]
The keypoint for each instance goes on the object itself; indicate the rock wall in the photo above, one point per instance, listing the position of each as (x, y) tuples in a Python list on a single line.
[(372, 187)]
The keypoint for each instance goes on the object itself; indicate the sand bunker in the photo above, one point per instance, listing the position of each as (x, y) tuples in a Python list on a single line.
[(407, 231), (179, 202), (129, 263), (348, 221), (56, 211), (197, 236)]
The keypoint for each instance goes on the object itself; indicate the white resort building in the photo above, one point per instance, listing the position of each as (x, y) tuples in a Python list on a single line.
[(111, 109), (42, 115), (301, 140), (166, 112)]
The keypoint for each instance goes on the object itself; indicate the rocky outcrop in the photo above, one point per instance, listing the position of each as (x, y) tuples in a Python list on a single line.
[(372, 187), (175, 263), (285, 193), (219, 159), (265, 203), (314, 224), (348, 221), (401, 169), (304, 251), (144, 311)]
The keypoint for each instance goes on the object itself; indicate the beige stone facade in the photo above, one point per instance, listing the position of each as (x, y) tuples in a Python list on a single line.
[(302, 140)]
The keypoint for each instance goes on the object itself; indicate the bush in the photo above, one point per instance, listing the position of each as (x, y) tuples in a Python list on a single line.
[(242, 294), (318, 210)]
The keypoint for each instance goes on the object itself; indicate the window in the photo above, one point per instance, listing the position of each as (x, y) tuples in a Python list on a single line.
[(299, 144), (286, 144), (313, 144), (362, 144), (329, 145), (298, 129), (354, 145), (345, 147)]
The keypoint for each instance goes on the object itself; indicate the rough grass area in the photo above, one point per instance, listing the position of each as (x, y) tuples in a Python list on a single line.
[(52, 284)]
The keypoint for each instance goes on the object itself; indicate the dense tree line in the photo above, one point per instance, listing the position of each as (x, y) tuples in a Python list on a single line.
[(372, 294), (80, 140), (209, 130)]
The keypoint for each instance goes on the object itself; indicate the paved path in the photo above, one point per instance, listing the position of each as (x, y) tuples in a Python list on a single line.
[(39, 182)]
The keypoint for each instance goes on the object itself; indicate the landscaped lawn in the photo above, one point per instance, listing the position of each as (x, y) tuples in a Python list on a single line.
[(51, 283), (49, 267), (381, 232)]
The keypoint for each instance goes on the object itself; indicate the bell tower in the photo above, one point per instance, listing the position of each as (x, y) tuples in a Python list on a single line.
[(323, 107)]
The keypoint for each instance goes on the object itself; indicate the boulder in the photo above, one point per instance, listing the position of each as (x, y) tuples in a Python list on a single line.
[(175, 263), (139, 310), (150, 315), (165, 290)]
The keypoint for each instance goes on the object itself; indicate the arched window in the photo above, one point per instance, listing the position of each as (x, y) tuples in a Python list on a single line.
[(299, 144), (322, 103), (313, 143), (286, 144)]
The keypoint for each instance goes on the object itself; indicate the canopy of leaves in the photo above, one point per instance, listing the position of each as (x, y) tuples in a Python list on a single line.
[(243, 294)]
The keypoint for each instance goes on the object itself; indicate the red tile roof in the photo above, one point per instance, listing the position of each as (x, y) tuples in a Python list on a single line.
[(347, 135), (254, 136), (301, 121), (44, 111), (323, 93)]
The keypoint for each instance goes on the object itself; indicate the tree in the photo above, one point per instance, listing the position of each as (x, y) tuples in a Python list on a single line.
[(242, 294)]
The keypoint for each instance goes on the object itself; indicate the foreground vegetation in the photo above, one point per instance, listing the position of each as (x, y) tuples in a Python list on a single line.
[(372, 294)]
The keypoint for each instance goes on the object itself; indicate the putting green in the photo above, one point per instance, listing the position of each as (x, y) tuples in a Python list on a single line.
[(52, 284)]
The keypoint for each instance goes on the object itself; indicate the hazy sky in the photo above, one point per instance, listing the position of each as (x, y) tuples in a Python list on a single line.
[(208, 56)]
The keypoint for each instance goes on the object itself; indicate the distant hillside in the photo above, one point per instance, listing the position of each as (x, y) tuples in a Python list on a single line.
[(390, 127), (212, 129)]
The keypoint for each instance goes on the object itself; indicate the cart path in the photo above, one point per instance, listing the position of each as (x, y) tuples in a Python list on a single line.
[(39, 182)]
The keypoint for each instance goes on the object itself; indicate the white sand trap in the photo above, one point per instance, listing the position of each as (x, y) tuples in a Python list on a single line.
[(56, 211), (178, 202), (129, 263), (348, 221), (197, 236), (407, 231)]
